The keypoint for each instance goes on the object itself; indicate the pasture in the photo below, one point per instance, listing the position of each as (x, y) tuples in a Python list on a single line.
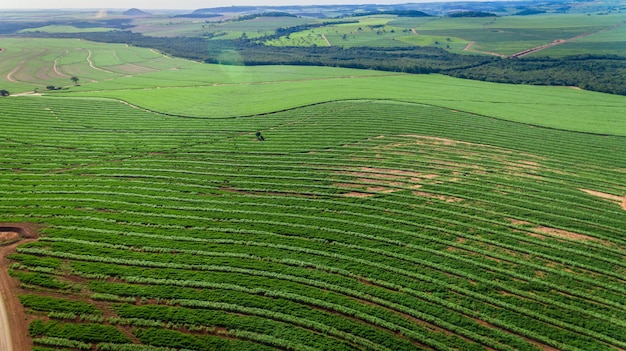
[(381, 211)]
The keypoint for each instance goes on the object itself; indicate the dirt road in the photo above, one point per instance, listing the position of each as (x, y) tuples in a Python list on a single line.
[(6, 342), (13, 323), (326, 40)]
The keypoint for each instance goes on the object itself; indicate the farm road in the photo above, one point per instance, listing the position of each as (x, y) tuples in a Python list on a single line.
[(13, 323), (92, 65), (326, 40), (13, 326), (10, 75), (6, 342)]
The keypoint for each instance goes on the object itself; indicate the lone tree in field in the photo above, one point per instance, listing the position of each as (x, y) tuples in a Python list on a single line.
[(75, 80), (4, 92)]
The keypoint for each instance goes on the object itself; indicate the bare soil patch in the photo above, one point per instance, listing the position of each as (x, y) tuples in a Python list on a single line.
[(357, 194), (25, 230), (437, 196), (517, 221), (437, 140), (8, 236), (619, 200), (564, 234)]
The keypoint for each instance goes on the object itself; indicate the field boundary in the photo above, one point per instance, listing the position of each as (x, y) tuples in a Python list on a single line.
[(350, 100)]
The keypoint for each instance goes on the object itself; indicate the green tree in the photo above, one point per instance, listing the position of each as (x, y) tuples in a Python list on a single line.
[(75, 80), (4, 92)]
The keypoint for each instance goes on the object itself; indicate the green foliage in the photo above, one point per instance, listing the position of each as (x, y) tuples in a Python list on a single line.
[(39, 279), (36, 261), (87, 333), (61, 342), (48, 304), (385, 212), (170, 338)]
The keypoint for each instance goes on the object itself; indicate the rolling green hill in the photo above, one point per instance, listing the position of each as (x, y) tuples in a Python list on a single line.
[(186, 206)]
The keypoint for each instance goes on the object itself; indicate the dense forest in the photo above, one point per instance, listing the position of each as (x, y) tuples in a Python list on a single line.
[(603, 73)]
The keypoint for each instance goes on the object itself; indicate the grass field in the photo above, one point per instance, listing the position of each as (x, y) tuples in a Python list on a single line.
[(381, 211)]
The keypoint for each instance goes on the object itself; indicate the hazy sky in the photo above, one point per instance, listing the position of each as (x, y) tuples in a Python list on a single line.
[(177, 4)]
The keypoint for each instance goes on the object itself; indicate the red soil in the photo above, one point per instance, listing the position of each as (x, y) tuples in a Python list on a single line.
[(13, 320)]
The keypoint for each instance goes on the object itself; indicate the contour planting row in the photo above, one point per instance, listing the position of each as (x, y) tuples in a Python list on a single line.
[(127, 262), (424, 260)]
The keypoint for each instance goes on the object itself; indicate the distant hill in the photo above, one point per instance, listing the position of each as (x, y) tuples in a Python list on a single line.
[(230, 9), (198, 15), (135, 12)]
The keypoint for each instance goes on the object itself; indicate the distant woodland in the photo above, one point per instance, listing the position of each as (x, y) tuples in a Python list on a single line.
[(603, 73)]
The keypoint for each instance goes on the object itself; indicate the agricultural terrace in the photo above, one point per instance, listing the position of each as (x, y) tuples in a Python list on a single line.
[(360, 223)]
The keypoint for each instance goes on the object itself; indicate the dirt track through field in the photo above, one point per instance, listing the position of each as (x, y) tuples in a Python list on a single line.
[(10, 75), (468, 47), (56, 68), (92, 65), (13, 324), (326, 40)]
